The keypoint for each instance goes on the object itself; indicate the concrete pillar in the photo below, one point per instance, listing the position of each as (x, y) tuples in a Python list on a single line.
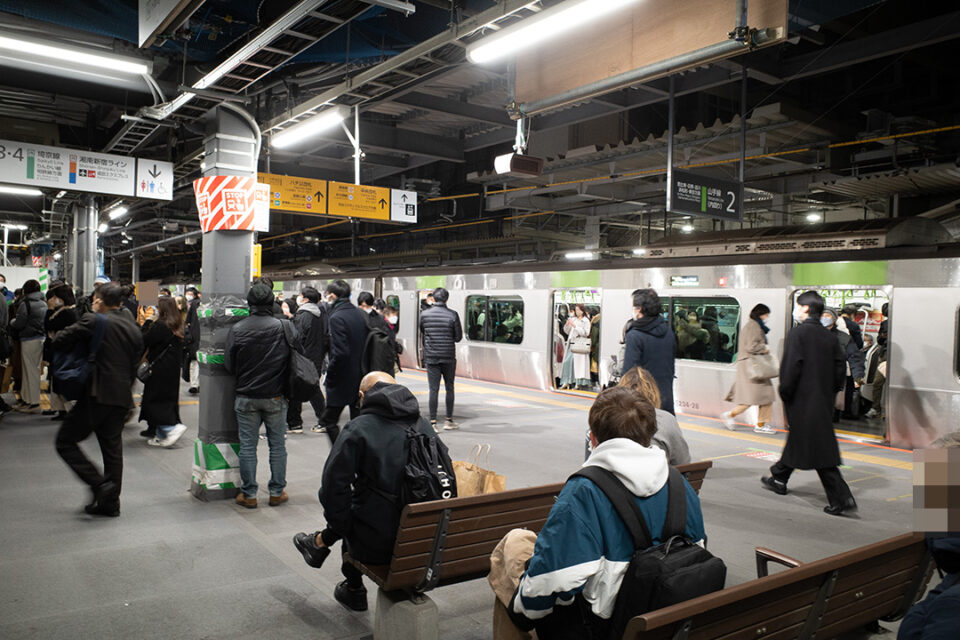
[(135, 267), (400, 618), (226, 265), (84, 250)]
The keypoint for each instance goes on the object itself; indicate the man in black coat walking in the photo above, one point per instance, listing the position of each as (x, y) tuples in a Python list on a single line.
[(650, 343), (103, 408), (441, 330), (811, 373), (311, 323), (348, 335)]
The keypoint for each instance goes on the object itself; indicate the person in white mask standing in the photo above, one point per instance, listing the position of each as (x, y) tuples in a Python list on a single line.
[(191, 341), (380, 351)]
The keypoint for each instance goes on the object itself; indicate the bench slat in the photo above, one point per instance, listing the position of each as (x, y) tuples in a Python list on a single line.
[(463, 525), (460, 512), (449, 572), (486, 534)]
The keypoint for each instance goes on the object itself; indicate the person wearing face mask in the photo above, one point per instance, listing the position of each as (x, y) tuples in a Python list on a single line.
[(650, 344), (62, 313), (427, 302), (348, 335), (310, 320), (811, 373), (380, 350), (855, 369), (747, 392), (362, 480), (191, 342)]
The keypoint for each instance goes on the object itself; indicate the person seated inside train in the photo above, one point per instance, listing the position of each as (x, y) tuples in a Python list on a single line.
[(692, 339), (709, 324), (501, 334)]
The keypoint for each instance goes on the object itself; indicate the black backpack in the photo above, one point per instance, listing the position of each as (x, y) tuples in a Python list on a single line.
[(675, 570), (379, 354), (71, 369), (303, 381), (427, 475)]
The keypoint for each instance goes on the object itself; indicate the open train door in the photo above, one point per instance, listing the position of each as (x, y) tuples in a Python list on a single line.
[(422, 303), (575, 347)]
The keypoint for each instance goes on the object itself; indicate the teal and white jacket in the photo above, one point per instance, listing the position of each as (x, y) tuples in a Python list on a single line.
[(584, 547)]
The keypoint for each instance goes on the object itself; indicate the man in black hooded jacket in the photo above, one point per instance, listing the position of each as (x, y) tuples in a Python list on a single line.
[(650, 344), (362, 482)]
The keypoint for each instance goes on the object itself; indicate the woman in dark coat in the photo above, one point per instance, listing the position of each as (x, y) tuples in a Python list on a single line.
[(61, 314), (160, 406), (811, 373)]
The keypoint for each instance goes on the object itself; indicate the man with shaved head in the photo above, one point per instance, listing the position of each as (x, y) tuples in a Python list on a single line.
[(362, 483)]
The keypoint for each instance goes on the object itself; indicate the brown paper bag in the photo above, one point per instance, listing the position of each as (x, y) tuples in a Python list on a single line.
[(474, 480)]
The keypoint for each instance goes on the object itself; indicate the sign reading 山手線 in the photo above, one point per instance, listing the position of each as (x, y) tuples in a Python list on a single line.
[(706, 197)]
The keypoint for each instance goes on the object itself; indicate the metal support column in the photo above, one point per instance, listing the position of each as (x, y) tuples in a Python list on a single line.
[(135, 267), (743, 125), (85, 220), (671, 122), (226, 279)]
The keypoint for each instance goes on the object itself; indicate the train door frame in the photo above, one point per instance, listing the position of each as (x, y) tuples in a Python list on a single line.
[(887, 289), (552, 331), (419, 296)]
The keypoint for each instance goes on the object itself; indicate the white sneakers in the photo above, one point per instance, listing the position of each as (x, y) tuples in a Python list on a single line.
[(449, 425), (728, 420), (171, 439), (764, 429)]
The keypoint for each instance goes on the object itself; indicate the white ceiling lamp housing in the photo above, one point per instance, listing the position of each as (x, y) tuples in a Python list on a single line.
[(814, 217), (547, 24), (639, 251), (687, 228), (20, 191), (27, 49), (103, 227), (327, 119), (579, 255), (117, 212)]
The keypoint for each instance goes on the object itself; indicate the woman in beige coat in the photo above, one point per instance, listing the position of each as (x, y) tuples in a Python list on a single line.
[(746, 392)]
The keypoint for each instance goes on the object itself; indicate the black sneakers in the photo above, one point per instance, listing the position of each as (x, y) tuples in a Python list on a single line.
[(306, 544), (106, 501), (839, 510), (780, 488), (354, 599)]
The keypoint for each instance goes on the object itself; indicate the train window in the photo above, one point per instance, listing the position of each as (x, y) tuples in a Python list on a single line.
[(495, 319), (576, 339), (393, 310), (707, 328)]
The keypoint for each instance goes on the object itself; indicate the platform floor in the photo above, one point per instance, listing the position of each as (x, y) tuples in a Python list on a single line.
[(174, 567)]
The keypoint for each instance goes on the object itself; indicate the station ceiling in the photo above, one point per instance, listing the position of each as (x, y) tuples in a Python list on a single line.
[(853, 117)]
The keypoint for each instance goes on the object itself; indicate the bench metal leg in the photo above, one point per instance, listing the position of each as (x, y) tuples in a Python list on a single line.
[(398, 617)]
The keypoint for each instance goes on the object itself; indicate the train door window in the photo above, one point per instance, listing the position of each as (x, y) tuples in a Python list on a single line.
[(393, 310), (575, 349), (494, 319), (859, 408), (707, 328)]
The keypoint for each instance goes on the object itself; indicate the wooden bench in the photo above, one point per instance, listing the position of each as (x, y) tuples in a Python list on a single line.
[(818, 599), (448, 541)]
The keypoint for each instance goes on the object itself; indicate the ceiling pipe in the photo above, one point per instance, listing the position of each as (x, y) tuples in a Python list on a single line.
[(158, 243)]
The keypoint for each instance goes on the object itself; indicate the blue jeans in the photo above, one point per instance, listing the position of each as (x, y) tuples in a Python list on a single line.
[(272, 412)]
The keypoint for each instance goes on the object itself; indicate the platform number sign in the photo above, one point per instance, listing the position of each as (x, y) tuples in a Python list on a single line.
[(706, 197)]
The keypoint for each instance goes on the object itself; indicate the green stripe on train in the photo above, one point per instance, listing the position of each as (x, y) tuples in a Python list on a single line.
[(563, 279), (431, 282), (869, 273)]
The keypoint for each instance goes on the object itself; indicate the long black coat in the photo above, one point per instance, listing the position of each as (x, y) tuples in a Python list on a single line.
[(160, 405), (812, 371), (348, 335)]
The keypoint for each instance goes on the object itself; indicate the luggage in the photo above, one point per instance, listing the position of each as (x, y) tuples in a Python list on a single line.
[(474, 480), (71, 369), (303, 381)]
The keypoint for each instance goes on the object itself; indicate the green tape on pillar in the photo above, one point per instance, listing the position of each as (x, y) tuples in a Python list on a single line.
[(236, 311), (210, 358), (216, 466), (44, 279)]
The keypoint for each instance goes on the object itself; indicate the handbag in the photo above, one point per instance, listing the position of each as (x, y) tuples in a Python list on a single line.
[(303, 381), (580, 345), (762, 367), (474, 480), (145, 370)]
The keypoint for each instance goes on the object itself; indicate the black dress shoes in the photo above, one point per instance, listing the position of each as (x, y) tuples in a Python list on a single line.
[(106, 501), (354, 599), (780, 488), (838, 510)]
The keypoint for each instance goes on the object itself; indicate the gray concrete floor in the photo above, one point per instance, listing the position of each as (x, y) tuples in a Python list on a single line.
[(174, 567)]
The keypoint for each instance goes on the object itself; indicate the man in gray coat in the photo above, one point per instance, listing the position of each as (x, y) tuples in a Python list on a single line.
[(441, 331), (811, 373)]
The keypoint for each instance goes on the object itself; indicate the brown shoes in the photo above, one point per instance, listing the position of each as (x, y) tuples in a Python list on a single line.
[(276, 501), (249, 503)]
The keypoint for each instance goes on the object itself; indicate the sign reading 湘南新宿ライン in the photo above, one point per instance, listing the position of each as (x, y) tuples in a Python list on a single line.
[(39, 165)]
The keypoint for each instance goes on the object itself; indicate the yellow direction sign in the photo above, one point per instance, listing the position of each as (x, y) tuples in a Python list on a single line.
[(358, 201), (290, 193)]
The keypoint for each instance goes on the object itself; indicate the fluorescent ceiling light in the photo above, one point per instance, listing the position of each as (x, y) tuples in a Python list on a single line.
[(18, 227), (813, 217), (324, 120), (640, 252), (20, 191), (103, 227), (546, 24), (28, 48), (687, 228), (579, 255), (117, 212), (57, 256)]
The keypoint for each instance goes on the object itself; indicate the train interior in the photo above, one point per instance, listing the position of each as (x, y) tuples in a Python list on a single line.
[(576, 339)]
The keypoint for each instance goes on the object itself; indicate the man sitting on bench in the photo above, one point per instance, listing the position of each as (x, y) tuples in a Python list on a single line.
[(584, 548), (362, 482)]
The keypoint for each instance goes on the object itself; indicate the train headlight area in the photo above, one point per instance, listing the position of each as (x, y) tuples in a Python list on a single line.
[(726, 154)]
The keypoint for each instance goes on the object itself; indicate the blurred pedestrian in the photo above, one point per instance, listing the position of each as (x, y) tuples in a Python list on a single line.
[(160, 406), (28, 326)]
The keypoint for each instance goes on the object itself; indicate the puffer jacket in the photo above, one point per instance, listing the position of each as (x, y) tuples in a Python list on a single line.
[(365, 467), (650, 344), (28, 325), (311, 323), (441, 331), (257, 354)]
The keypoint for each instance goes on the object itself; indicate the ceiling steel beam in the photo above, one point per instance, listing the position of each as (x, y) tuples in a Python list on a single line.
[(487, 115), (384, 138)]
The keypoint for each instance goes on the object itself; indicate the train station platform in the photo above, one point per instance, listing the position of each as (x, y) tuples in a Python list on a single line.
[(174, 567)]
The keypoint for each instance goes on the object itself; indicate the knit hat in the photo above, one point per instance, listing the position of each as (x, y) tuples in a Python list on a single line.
[(260, 295)]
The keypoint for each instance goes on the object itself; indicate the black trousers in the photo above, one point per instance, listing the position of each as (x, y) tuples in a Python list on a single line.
[(331, 416), (106, 421), (353, 575), (294, 409), (836, 488), (434, 371)]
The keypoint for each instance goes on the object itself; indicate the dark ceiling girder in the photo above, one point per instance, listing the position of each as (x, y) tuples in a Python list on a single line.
[(392, 139), (487, 115)]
